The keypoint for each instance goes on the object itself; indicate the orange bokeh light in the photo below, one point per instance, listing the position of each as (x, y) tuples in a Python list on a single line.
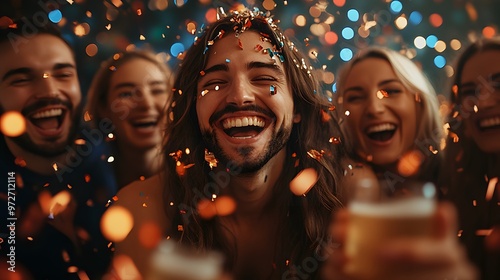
[(489, 32), (116, 223), (331, 38), (12, 124), (150, 235), (225, 205), (436, 20)]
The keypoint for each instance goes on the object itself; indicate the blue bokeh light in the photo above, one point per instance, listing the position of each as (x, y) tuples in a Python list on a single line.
[(415, 18), (396, 7), (334, 87), (55, 16), (347, 33), (353, 15), (176, 49), (346, 54), (439, 61), (431, 41)]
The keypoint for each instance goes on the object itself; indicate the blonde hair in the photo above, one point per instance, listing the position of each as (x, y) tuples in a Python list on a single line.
[(430, 131)]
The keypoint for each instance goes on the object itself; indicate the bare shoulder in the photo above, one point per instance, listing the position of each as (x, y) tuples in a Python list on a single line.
[(134, 195), (145, 201)]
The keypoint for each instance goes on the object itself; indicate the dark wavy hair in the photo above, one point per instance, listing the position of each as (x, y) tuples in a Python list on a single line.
[(305, 218), (468, 168), (462, 153)]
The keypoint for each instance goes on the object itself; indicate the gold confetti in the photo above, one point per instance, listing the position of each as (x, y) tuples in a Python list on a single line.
[(315, 154), (491, 188), (334, 140), (20, 161), (210, 158), (382, 94), (80, 141)]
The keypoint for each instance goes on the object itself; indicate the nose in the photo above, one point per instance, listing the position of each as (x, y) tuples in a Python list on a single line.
[(47, 87), (375, 105), (145, 98), (241, 93)]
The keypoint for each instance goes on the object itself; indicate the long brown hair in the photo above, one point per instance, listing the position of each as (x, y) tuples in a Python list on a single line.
[(305, 218)]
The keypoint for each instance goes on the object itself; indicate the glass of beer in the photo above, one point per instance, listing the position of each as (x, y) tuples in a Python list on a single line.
[(379, 212)]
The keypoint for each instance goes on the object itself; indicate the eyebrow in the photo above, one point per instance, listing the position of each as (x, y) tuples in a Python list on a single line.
[(474, 84), (27, 70), (382, 83), (251, 65)]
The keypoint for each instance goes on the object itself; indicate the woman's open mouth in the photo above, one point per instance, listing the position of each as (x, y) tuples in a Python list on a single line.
[(381, 132)]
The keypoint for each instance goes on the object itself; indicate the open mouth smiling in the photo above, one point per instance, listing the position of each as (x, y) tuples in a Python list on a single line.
[(49, 118), (243, 126), (488, 123), (381, 132), (144, 123)]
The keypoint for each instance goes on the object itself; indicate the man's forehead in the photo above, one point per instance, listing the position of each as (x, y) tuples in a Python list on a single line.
[(43, 50)]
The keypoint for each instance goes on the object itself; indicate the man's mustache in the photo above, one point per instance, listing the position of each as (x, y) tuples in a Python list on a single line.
[(44, 102)]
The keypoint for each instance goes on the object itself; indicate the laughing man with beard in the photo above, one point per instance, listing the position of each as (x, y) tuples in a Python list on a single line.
[(38, 79)]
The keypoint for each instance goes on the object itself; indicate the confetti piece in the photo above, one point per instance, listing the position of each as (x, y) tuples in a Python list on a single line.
[(210, 158), (315, 154), (304, 181), (272, 88), (491, 188), (382, 94)]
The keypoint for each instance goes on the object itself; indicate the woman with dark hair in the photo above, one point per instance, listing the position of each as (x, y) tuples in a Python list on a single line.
[(473, 153)]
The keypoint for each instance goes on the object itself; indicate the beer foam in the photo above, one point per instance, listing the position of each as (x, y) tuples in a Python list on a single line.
[(411, 207)]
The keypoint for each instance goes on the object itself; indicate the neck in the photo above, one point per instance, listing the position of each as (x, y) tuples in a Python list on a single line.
[(39, 164), (254, 192), (133, 164)]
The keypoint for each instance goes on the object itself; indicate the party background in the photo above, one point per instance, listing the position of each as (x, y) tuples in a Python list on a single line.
[(431, 32)]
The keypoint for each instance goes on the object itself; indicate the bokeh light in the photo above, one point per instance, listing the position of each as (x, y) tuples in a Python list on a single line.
[(176, 49), (347, 33), (396, 6), (12, 124), (300, 20), (415, 18), (346, 54), (55, 16), (436, 20), (353, 15), (91, 50), (419, 42), (116, 223), (431, 41), (455, 44), (439, 61)]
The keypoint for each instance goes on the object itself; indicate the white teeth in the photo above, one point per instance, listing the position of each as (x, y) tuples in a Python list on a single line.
[(48, 114), (243, 122), (489, 122), (380, 127)]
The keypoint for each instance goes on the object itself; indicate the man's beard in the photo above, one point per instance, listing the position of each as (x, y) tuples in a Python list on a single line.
[(26, 143), (278, 141)]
